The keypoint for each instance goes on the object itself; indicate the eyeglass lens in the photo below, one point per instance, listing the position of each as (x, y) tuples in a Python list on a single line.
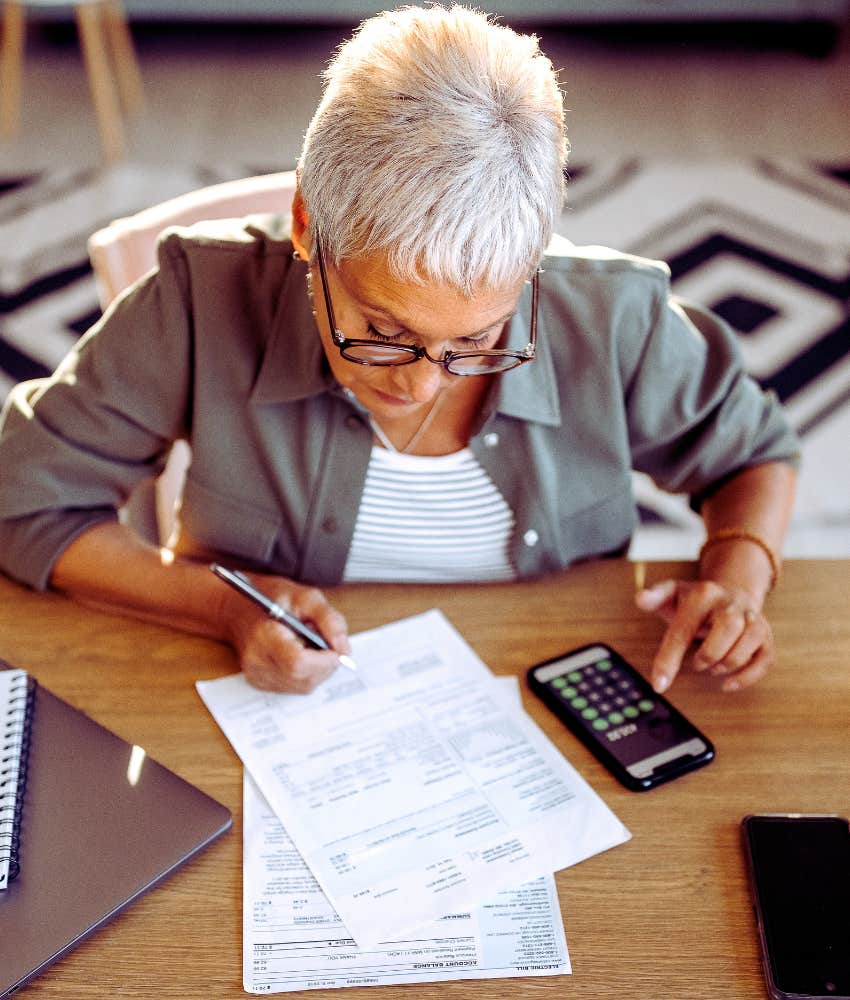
[(388, 355)]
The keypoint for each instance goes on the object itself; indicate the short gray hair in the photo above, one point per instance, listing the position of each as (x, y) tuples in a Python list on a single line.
[(440, 141)]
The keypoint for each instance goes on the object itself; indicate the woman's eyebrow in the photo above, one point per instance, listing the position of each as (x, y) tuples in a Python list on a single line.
[(375, 308), (497, 322)]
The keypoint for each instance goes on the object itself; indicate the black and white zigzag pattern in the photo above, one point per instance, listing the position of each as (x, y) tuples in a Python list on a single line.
[(47, 291), (765, 244)]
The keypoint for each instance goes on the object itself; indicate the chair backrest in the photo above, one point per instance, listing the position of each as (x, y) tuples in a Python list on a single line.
[(123, 251)]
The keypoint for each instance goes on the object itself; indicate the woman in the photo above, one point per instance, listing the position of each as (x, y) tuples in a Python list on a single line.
[(447, 344)]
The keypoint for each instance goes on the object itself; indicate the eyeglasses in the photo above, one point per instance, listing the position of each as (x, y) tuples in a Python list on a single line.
[(372, 352)]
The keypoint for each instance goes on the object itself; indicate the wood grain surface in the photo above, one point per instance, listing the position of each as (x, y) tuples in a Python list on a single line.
[(663, 917)]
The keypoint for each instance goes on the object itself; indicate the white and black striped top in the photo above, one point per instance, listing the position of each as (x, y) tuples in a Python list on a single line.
[(428, 520)]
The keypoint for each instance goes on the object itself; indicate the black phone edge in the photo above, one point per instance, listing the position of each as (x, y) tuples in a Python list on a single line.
[(596, 747), (746, 825), (767, 971)]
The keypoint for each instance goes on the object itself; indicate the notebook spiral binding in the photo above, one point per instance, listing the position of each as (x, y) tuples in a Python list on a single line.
[(15, 731)]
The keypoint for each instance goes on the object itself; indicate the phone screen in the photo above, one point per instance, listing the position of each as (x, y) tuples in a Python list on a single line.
[(619, 711), (801, 872)]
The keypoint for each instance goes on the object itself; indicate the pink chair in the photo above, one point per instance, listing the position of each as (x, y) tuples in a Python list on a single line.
[(124, 251)]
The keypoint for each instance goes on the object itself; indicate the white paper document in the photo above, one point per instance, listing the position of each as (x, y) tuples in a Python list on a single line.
[(414, 788), (294, 940)]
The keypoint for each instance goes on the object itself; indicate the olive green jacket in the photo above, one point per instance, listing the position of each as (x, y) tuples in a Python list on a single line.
[(219, 346)]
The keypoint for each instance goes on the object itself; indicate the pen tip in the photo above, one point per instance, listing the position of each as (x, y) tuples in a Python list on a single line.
[(347, 662)]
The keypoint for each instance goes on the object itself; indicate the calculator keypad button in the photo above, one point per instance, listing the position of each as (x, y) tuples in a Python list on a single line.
[(602, 695)]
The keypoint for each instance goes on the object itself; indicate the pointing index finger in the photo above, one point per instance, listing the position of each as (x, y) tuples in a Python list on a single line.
[(683, 628)]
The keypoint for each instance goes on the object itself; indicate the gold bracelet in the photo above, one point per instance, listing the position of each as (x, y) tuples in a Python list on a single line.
[(744, 534)]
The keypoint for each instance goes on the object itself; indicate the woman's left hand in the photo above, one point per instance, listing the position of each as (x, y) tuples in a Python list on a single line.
[(736, 639)]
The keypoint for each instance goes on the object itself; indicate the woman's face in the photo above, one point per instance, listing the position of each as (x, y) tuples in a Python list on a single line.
[(369, 303)]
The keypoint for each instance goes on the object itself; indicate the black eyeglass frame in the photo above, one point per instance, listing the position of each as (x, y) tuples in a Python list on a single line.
[(416, 353)]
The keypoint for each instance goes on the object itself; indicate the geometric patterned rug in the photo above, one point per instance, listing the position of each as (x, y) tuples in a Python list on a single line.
[(764, 243), (767, 245), (47, 292)]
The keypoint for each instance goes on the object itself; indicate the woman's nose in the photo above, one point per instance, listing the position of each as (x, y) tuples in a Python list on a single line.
[(420, 381)]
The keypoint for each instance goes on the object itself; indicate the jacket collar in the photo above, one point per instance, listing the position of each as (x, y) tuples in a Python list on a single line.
[(294, 365)]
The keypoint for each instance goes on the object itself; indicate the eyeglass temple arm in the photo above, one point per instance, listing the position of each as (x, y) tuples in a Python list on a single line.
[(535, 281), (336, 334)]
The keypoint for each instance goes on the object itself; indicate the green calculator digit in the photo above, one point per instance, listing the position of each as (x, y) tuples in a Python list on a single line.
[(637, 734)]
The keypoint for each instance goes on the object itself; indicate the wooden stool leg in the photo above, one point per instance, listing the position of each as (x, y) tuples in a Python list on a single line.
[(101, 82), (124, 56), (11, 63)]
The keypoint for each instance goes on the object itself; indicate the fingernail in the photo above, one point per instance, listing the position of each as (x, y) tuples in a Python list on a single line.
[(646, 600), (660, 684), (732, 685), (347, 661)]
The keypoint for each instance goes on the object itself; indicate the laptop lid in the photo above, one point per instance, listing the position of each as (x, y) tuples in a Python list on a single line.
[(102, 823)]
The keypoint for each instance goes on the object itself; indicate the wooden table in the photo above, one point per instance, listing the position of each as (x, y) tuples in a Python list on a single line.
[(662, 917)]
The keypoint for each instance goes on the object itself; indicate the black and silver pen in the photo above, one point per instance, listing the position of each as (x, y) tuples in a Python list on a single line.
[(243, 585)]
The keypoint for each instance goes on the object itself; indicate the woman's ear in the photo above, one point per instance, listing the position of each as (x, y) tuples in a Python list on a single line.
[(300, 234)]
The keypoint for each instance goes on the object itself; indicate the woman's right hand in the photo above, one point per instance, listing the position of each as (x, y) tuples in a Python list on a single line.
[(110, 568), (271, 655)]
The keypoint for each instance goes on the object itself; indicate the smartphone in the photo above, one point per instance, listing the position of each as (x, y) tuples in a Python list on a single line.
[(799, 868), (637, 734)]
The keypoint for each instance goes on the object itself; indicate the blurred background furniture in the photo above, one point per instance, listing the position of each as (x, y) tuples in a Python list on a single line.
[(813, 26), (123, 252), (552, 10), (111, 65)]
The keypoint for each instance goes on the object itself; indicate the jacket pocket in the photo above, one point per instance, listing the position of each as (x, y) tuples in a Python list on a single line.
[(219, 522), (602, 528)]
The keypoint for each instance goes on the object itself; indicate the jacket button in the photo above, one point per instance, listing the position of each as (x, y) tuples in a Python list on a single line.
[(330, 525), (531, 538), (491, 440), (353, 422)]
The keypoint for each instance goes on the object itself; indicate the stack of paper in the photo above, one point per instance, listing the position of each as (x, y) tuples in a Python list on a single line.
[(422, 802)]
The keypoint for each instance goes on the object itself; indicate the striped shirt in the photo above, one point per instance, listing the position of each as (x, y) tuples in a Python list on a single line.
[(430, 520)]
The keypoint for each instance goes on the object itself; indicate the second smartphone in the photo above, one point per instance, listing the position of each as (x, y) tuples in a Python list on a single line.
[(637, 734), (799, 869)]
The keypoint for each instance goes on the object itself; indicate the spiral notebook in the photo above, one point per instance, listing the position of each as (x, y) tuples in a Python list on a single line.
[(16, 697), (100, 824)]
